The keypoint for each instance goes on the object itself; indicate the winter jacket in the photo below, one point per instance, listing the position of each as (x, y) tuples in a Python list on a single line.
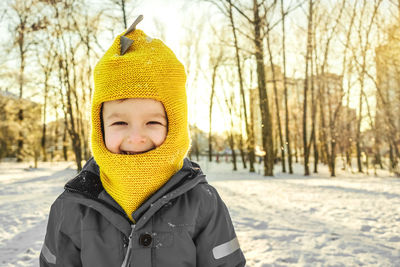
[(185, 223)]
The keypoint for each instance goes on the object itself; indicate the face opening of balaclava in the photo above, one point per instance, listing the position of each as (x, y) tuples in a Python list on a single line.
[(148, 69)]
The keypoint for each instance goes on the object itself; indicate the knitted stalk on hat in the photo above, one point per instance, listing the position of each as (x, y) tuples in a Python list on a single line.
[(149, 69)]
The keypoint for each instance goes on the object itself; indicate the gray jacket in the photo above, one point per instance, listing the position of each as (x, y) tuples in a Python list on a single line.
[(185, 223)]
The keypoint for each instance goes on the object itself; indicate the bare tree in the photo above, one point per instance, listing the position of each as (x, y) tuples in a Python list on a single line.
[(230, 105), (306, 147), (334, 99), (266, 124), (250, 134), (215, 62), (26, 24), (122, 5), (240, 140), (390, 125), (275, 87), (46, 60), (364, 42), (191, 44), (313, 136), (86, 27), (345, 137), (72, 89), (347, 68), (226, 8), (285, 88), (257, 23)]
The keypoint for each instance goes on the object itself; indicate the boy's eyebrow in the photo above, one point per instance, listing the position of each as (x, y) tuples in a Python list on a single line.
[(119, 115), (115, 114), (157, 114)]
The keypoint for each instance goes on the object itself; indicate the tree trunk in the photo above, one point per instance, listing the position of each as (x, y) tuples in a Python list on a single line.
[(324, 138), (242, 154), (364, 44), (124, 13), (65, 70), (296, 153), (196, 146), (72, 130), (76, 141), (250, 135), (241, 147), (358, 133), (56, 136), (43, 141), (334, 111), (232, 146), (65, 147), (313, 116), (308, 57), (210, 113), (20, 143), (333, 158), (266, 126), (278, 116), (287, 133)]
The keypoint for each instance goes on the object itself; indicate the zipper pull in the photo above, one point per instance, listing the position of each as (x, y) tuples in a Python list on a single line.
[(128, 255)]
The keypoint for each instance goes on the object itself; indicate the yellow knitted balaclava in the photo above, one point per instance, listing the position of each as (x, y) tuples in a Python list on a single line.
[(148, 69)]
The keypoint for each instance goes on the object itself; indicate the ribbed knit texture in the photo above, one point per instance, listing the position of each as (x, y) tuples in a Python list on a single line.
[(149, 69)]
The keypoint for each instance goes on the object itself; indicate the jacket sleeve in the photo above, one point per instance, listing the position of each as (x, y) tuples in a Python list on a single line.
[(216, 241), (58, 248)]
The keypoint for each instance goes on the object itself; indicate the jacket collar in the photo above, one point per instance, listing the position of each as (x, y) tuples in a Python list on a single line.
[(88, 183)]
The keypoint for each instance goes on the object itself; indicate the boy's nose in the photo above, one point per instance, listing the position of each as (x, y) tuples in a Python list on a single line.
[(136, 137)]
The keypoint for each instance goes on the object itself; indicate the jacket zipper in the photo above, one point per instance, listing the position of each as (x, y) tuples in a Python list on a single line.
[(128, 255)]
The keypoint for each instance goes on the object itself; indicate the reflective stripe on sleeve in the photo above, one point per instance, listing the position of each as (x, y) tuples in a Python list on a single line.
[(50, 258), (226, 248)]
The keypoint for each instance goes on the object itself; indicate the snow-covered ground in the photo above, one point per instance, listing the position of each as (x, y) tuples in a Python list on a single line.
[(286, 220)]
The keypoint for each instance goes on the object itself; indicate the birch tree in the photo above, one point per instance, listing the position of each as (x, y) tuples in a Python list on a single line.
[(306, 146), (285, 88)]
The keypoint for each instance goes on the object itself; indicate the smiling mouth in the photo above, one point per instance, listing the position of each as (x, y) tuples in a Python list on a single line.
[(130, 152), (134, 153)]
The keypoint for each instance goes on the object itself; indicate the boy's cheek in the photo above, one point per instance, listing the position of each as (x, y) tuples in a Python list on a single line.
[(159, 137), (111, 141)]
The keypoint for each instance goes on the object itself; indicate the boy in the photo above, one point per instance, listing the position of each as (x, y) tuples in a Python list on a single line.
[(140, 202)]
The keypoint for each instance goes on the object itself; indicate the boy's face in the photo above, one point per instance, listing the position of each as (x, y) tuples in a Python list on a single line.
[(134, 125)]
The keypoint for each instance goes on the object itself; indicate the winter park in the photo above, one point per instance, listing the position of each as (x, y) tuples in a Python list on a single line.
[(200, 133)]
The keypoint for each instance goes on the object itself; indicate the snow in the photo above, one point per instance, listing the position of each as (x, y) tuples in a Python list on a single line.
[(25, 198), (286, 220)]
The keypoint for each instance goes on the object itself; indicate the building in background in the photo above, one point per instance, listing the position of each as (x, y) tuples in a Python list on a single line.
[(388, 92)]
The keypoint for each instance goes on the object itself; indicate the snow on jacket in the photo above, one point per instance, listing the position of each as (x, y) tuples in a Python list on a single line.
[(185, 223)]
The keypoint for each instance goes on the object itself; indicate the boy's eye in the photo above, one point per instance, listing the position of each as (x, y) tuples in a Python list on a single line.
[(154, 122), (119, 123)]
